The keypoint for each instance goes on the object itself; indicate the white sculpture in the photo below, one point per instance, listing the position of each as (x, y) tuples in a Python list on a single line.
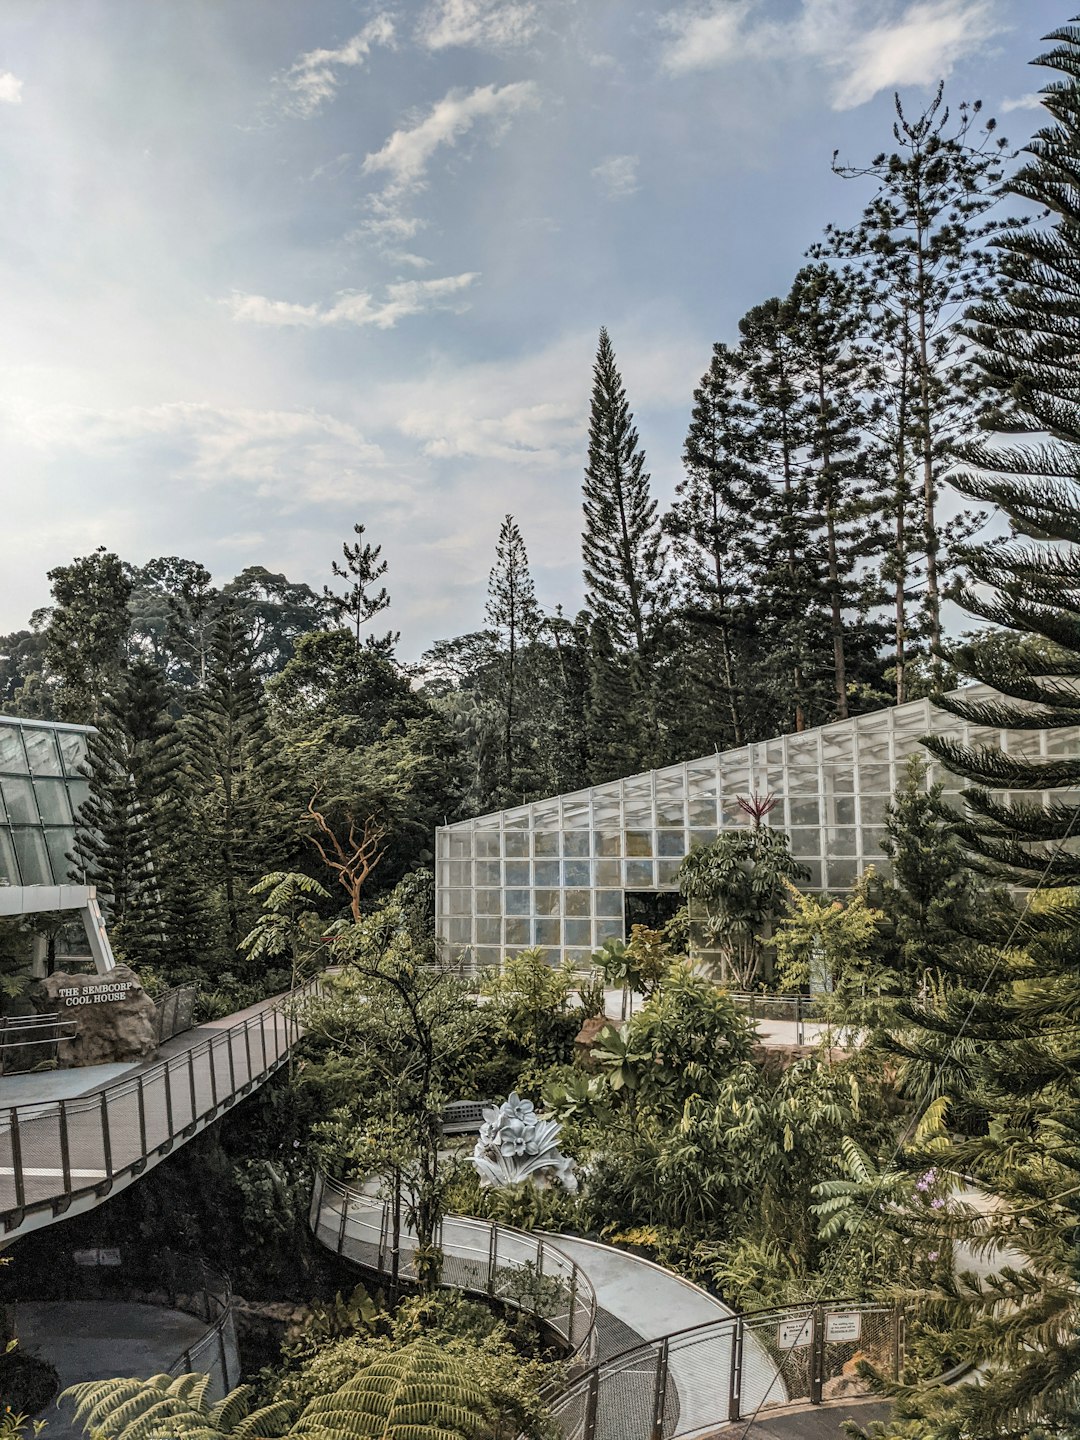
[(516, 1144)]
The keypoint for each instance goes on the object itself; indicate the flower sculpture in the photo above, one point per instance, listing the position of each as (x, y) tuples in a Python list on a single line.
[(516, 1144)]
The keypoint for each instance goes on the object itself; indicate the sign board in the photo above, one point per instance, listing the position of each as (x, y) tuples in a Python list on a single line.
[(96, 994), (847, 1326), (792, 1334), (96, 1257)]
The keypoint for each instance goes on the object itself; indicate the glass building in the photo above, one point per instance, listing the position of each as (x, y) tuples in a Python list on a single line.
[(569, 872), (42, 785)]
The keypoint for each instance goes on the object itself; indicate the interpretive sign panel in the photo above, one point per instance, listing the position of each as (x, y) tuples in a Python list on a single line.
[(791, 1334), (847, 1326), (96, 1257)]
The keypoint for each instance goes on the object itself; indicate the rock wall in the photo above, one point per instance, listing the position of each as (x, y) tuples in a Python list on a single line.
[(117, 1018)]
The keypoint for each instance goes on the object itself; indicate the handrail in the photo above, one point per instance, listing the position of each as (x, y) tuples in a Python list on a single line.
[(220, 1297), (55, 1151), (527, 1271), (698, 1376)]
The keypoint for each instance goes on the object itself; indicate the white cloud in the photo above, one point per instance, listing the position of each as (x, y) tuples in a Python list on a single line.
[(407, 153), (488, 24), (617, 175), (357, 307), (1022, 102), (867, 45), (297, 455), (10, 89), (313, 79)]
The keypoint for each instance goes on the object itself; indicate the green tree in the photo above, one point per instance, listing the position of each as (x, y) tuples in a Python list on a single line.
[(622, 544), (713, 522), (235, 782), (362, 569), (923, 248), (125, 1409), (512, 613), (738, 890), (86, 632)]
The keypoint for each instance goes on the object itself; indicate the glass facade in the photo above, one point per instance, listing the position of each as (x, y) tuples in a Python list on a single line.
[(556, 873), (42, 785)]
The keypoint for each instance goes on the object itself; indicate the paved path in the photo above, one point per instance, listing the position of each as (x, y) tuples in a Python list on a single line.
[(97, 1340)]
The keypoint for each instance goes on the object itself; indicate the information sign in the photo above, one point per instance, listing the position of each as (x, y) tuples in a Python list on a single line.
[(792, 1334), (846, 1326)]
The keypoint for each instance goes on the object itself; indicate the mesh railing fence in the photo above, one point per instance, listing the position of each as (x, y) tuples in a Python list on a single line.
[(526, 1271), (53, 1150), (729, 1370)]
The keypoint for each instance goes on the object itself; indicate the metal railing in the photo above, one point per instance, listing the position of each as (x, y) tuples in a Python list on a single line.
[(526, 1271), (215, 1352), (797, 1009), (29, 1041), (731, 1369), (176, 1011), (56, 1150)]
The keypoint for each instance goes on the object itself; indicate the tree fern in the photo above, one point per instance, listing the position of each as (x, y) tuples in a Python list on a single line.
[(143, 1409), (416, 1393)]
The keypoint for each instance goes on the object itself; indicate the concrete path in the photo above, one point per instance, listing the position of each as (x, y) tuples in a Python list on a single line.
[(97, 1340)]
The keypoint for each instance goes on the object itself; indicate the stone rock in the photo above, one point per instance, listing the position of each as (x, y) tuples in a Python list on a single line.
[(848, 1383), (117, 1019), (268, 1322)]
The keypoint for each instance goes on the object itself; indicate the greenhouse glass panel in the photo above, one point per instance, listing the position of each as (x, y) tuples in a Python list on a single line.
[(488, 845), (9, 870), (607, 842), (608, 872), (461, 902), (639, 842), (667, 871), (461, 932), (489, 902), (32, 857), (547, 932), (607, 808), (576, 814), (577, 932), (577, 902), (517, 872), (546, 902), (671, 842), (488, 872), (460, 845), (42, 751), (516, 845), (517, 902), (12, 755), (53, 804), (19, 800), (875, 779), (73, 750), (840, 842), (577, 872), (547, 872), (546, 843), (516, 932), (576, 843), (805, 812), (639, 873), (702, 837), (609, 902), (488, 931)]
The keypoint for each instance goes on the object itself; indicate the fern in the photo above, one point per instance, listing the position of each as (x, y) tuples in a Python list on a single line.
[(416, 1393), (142, 1409)]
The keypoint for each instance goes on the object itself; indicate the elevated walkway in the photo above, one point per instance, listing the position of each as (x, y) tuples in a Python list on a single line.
[(653, 1357), (67, 1154)]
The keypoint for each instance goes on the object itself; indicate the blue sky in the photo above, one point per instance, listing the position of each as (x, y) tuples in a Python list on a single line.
[(269, 268)]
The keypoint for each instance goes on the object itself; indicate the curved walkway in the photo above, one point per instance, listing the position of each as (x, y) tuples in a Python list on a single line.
[(62, 1156), (663, 1357)]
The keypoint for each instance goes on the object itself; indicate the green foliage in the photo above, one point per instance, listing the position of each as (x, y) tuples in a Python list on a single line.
[(28, 1383), (827, 943), (419, 1392), (740, 882), (85, 633), (639, 966), (140, 1409)]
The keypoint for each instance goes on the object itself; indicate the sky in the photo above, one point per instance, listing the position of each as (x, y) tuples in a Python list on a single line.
[(270, 268)]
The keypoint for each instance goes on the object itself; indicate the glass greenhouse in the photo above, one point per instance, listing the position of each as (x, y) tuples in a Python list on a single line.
[(569, 872), (42, 785)]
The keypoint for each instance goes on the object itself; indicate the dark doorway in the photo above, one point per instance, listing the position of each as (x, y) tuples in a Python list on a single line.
[(652, 908)]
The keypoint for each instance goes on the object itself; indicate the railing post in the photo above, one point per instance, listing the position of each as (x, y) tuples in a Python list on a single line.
[(262, 1037), (573, 1306), (493, 1255), (191, 1085), (106, 1138), (660, 1392), (142, 1119), (16, 1159), (734, 1404), (65, 1147), (592, 1405), (247, 1048), (232, 1063), (817, 1354), (213, 1075), (168, 1100), (898, 1340), (344, 1198)]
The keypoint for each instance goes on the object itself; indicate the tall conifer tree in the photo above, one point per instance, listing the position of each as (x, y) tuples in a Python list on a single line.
[(513, 614)]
